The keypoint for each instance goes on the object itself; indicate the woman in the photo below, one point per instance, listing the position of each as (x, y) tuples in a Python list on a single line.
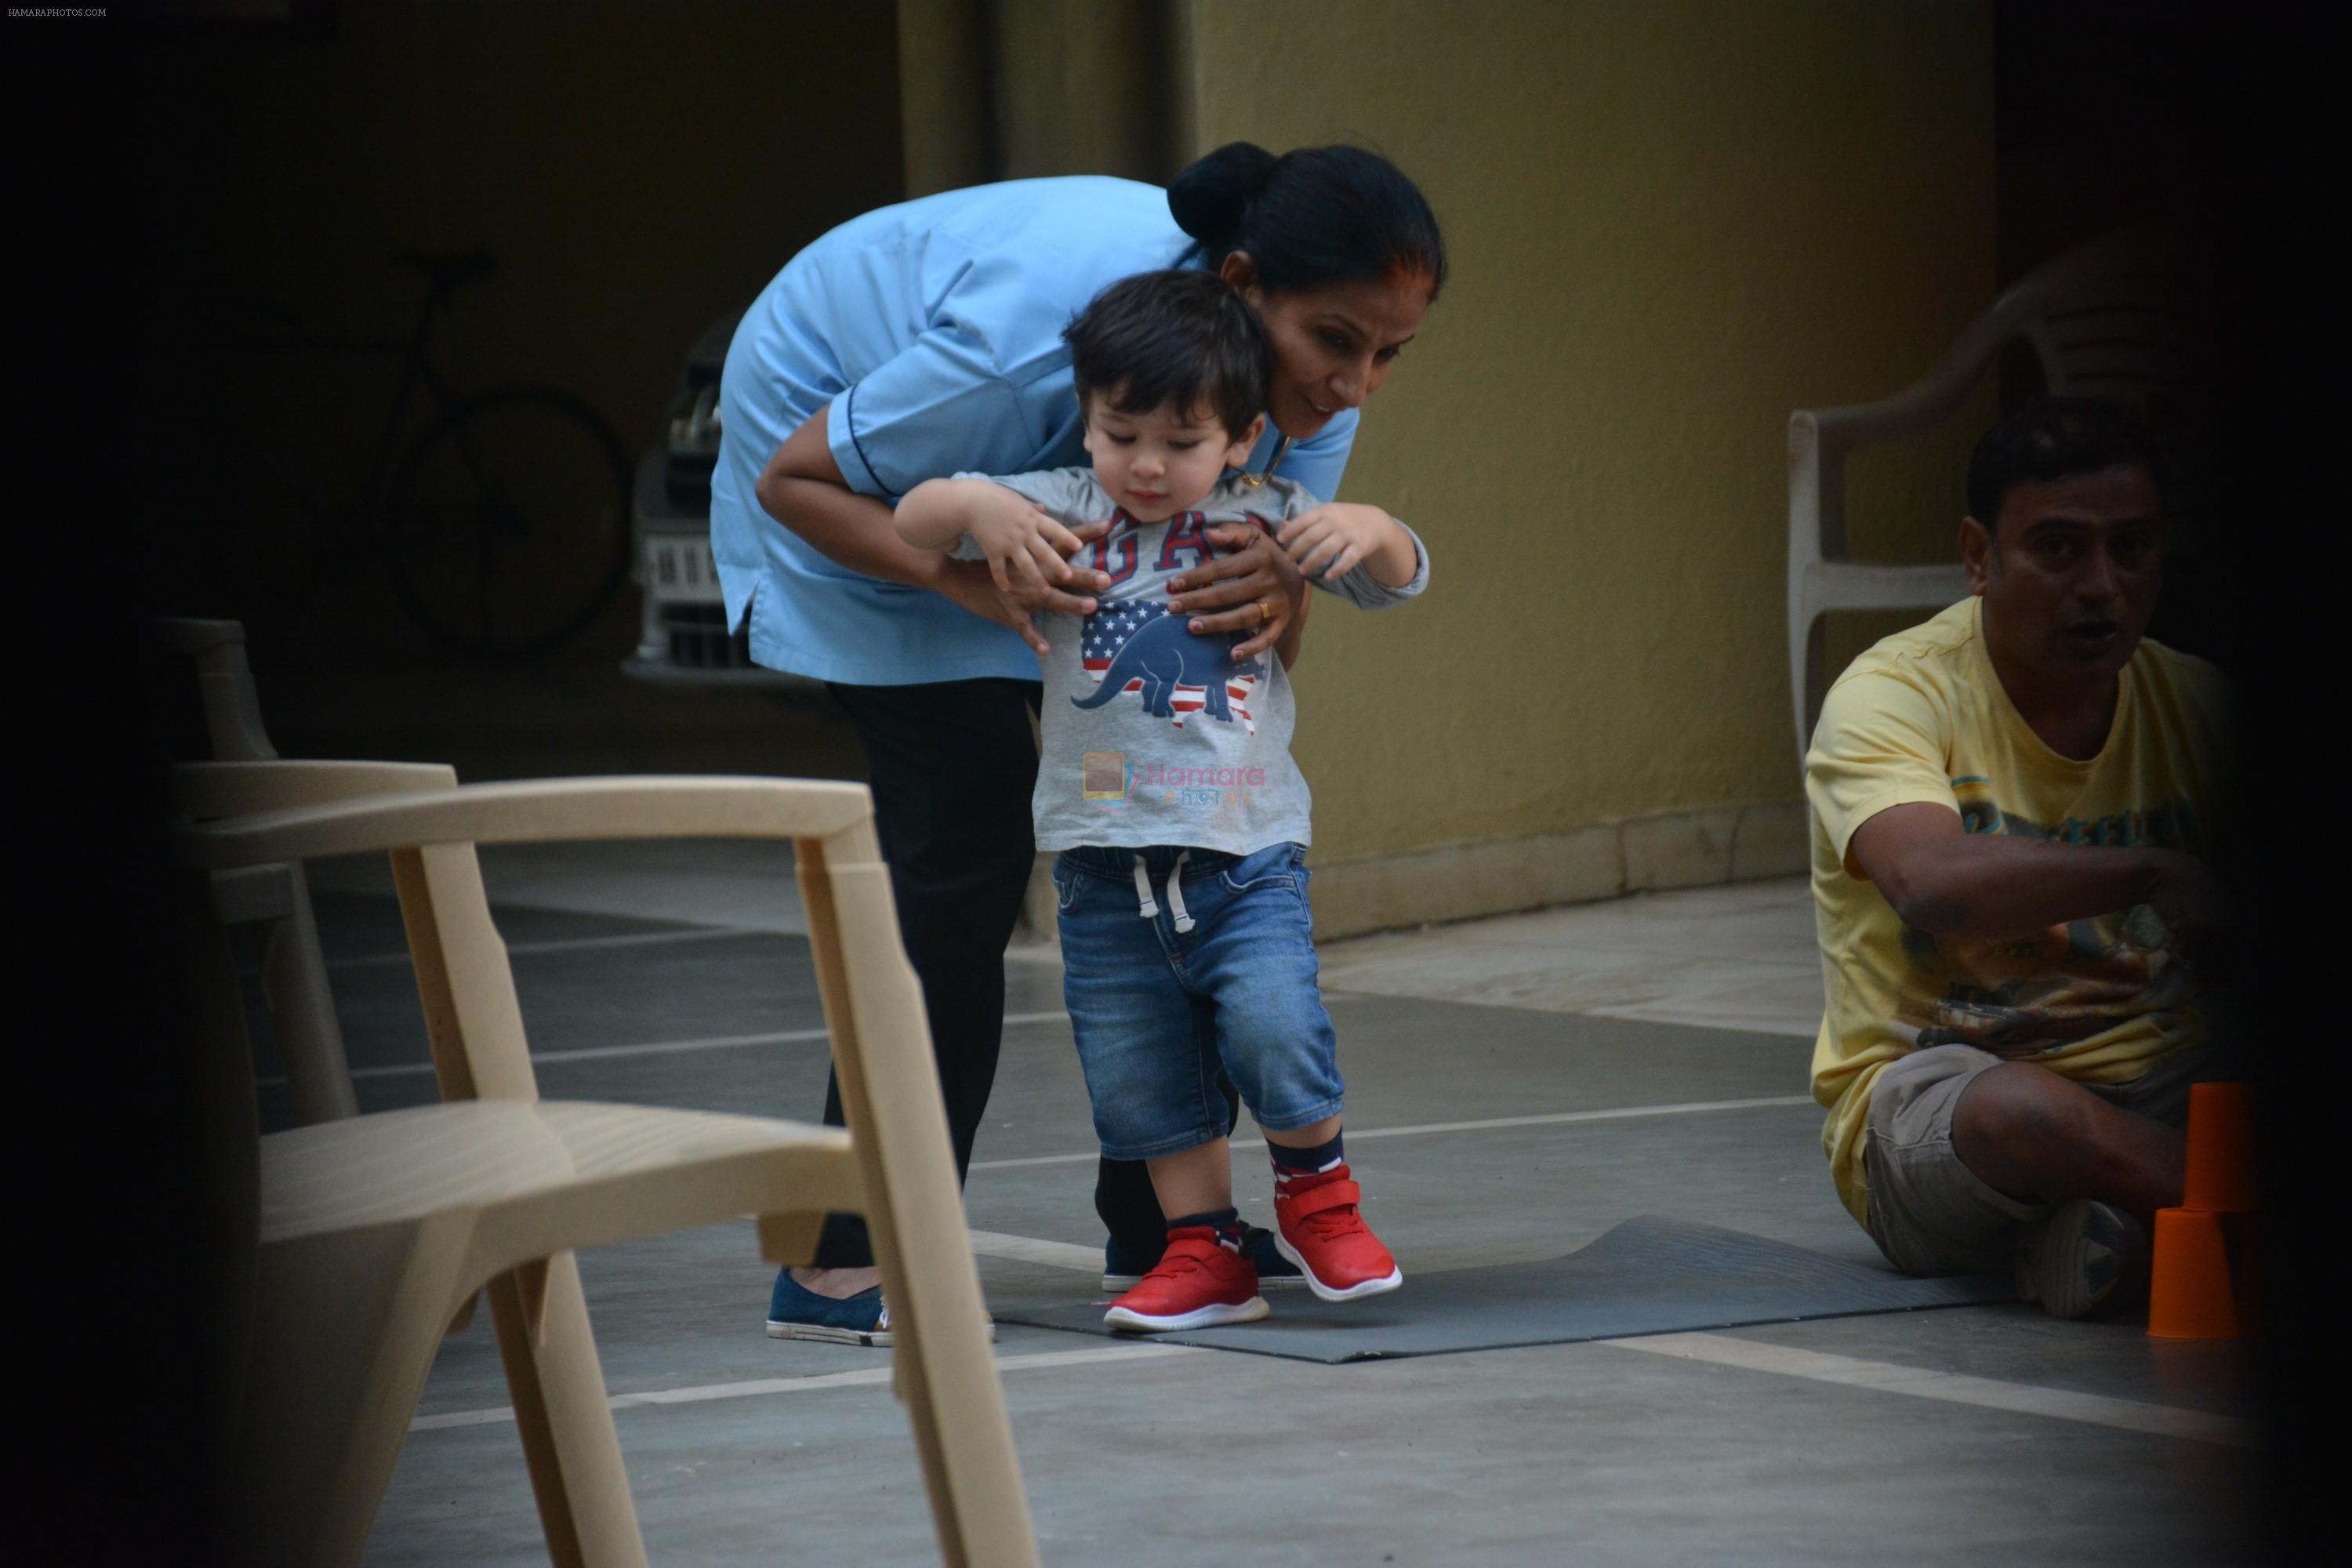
[(924, 340)]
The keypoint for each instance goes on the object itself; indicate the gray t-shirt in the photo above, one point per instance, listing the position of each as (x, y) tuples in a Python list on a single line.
[(1152, 734)]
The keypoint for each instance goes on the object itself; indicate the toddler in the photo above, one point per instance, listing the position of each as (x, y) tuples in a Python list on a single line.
[(1166, 781)]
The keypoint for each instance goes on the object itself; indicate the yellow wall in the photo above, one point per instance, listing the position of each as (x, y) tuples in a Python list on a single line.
[(1670, 224)]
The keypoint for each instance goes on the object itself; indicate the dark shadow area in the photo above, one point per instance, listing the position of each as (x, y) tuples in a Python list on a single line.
[(2109, 116), (2282, 423), (430, 261)]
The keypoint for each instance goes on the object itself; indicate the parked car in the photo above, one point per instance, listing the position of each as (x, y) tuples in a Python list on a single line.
[(684, 635)]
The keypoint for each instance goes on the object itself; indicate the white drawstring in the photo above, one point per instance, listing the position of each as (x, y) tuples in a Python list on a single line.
[(1176, 894), (1148, 908)]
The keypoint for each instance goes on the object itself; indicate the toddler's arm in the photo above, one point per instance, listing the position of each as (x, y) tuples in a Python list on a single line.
[(1015, 536), (1332, 540), (1358, 552)]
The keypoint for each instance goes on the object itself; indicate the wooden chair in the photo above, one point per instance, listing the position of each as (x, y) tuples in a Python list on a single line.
[(277, 899), (2110, 319), (367, 1232)]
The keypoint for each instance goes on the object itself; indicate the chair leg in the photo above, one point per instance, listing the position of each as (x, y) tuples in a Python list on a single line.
[(874, 1007), (945, 1368), (342, 1323), (791, 1239), (568, 1437), (1807, 651), (294, 977)]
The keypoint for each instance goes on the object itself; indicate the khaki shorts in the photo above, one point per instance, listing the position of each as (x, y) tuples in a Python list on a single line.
[(1929, 1213)]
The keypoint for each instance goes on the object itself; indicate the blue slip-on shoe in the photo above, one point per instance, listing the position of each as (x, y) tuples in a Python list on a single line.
[(797, 1313), (1275, 1272), (1125, 1263)]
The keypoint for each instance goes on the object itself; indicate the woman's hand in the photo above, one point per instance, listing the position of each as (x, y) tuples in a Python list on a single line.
[(1333, 538), (1028, 553), (1257, 578)]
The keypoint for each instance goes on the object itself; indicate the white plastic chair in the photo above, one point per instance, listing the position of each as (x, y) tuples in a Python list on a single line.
[(2110, 319)]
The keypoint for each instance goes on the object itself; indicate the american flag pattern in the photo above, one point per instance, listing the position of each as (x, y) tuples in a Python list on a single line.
[(1108, 630)]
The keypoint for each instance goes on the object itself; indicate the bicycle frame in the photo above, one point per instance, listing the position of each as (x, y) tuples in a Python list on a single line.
[(430, 482), (416, 368), (416, 365)]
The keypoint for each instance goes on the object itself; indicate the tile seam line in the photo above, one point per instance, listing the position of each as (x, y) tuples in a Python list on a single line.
[(860, 1378), (1550, 1119), (650, 1049), (562, 945), (1947, 1387), (1708, 1349), (645, 1048)]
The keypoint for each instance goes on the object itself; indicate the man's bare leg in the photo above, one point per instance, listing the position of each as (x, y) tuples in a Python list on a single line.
[(2033, 1134)]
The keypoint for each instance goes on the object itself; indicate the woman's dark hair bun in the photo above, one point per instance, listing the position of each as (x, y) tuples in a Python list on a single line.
[(1314, 217), (1211, 195)]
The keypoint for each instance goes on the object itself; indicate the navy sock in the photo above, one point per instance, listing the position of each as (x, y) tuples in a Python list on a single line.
[(1321, 1157), (1225, 1222)]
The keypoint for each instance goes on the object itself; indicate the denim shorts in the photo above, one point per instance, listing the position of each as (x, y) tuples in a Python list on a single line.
[(1157, 1011)]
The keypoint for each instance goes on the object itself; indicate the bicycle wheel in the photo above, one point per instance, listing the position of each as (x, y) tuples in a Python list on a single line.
[(509, 522)]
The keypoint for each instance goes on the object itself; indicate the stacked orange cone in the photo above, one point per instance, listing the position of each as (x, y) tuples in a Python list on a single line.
[(2198, 1289)]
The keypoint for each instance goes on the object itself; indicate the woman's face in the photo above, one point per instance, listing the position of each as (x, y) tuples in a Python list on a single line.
[(1334, 345)]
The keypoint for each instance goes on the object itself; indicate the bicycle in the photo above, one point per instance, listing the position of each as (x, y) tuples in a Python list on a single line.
[(505, 524)]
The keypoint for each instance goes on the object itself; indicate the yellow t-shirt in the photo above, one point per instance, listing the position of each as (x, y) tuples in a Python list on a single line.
[(1923, 717)]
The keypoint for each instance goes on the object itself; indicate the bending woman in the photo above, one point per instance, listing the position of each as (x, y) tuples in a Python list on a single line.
[(924, 340)]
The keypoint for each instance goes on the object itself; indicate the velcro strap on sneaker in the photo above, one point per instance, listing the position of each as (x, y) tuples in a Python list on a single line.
[(1337, 1195)]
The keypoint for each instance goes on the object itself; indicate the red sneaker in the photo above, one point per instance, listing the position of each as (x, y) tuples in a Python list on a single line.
[(1200, 1282), (1321, 1232)]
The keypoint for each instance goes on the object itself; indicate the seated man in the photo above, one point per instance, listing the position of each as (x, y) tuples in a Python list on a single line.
[(2015, 807)]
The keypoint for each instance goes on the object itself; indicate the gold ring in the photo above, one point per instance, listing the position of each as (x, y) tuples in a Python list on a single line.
[(1265, 612)]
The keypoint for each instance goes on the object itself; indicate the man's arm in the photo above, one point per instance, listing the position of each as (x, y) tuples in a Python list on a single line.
[(1987, 887)]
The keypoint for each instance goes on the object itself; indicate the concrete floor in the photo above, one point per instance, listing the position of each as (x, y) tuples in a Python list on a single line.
[(674, 974)]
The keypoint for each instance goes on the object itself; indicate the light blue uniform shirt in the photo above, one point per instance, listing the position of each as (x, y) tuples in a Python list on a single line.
[(932, 333)]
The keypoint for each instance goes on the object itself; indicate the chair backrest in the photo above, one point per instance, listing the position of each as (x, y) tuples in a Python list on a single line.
[(2119, 318), (201, 792), (225, 681), (2114, 317), (473, 1019)]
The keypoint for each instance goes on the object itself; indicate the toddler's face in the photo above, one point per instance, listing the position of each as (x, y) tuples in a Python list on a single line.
[(1160, 463)]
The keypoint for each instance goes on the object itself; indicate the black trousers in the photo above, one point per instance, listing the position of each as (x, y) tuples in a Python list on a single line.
[(952, 765)]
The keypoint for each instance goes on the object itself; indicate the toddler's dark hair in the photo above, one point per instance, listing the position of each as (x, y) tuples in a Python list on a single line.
[(1180, 338)]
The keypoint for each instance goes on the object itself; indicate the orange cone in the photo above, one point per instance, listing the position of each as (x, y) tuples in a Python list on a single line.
[(2221, 1178), (2193, 1291), (2189, 1297)]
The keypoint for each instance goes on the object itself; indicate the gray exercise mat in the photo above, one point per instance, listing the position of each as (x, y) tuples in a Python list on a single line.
[(1651, 1275)]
